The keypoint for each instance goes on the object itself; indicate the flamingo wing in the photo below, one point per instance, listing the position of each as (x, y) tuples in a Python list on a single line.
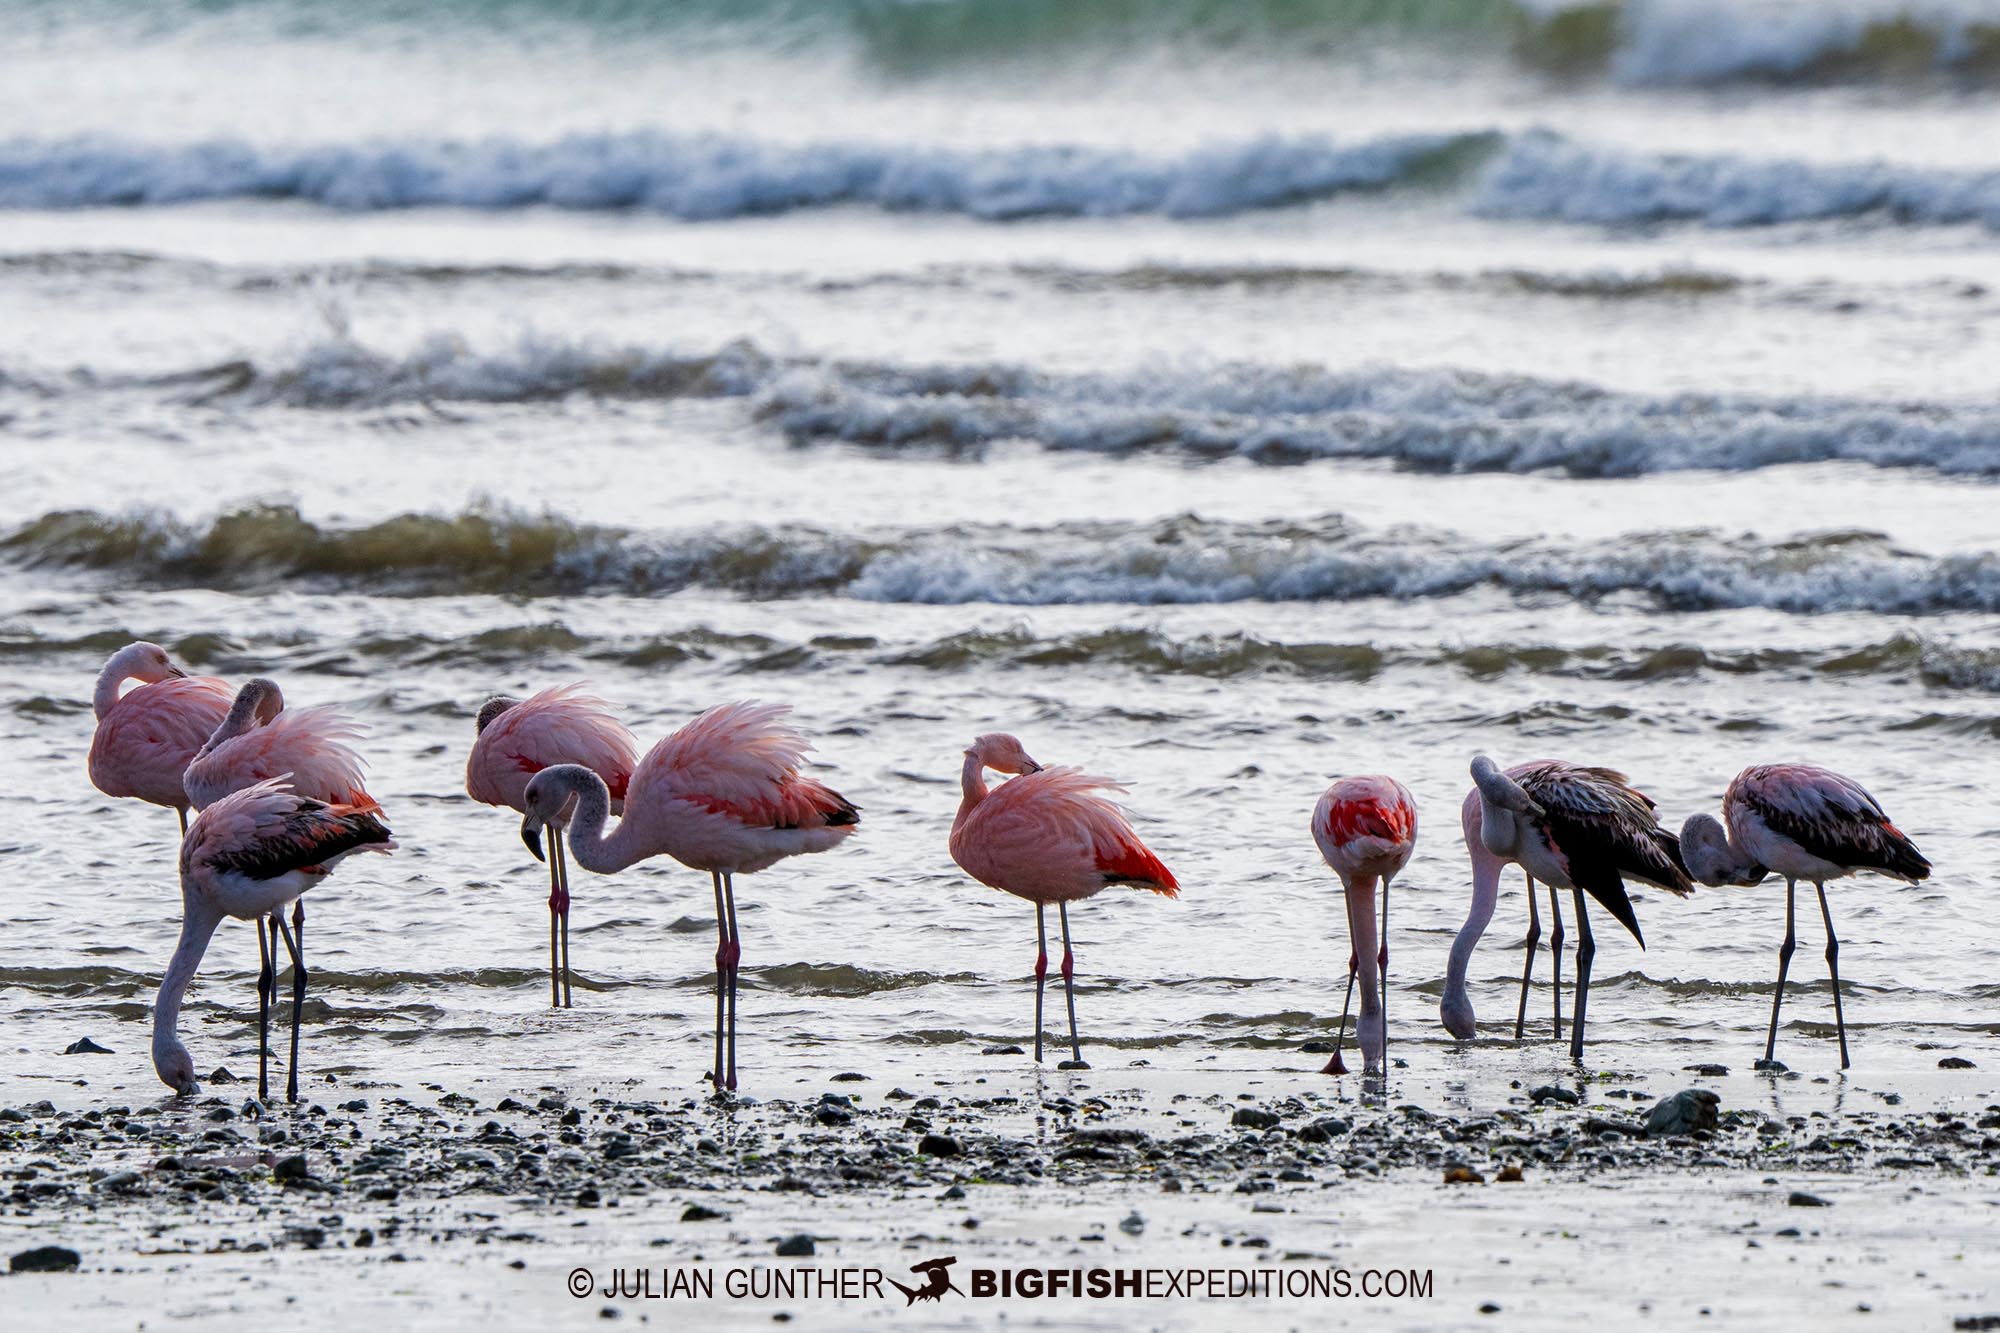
[(741, 760), (1376, 808), (1605, 829), (146, 739), (560, 725), (1053, 832), (308, 745), (1831, 817), (266, 830)]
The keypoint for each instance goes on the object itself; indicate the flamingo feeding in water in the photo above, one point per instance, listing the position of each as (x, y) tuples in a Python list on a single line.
[(1802, 822), (1366, 828), (723, 794), (1581, 829), (518, 738), (247, 856), (259, 741), (1047, 835), (146, 736)]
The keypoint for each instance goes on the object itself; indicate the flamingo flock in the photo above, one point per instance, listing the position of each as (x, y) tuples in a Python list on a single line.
[(280, 799)]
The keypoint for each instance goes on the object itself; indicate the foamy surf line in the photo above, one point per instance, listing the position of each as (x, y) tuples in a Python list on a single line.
[(1428, 420), (1535, 175), (1184, 560)]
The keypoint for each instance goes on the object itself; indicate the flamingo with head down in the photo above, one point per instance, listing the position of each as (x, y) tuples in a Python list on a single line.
[(1366, 828), (259, 741), (518, 738), (1048, 835), (1583, 829), (1802, 822), (723, 794), (248, 855)]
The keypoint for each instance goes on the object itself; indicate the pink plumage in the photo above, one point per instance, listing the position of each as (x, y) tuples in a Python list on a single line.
[(1366, 828), (146, 737), (308, 746), (1051, 836), (560, 725), (724, 793)]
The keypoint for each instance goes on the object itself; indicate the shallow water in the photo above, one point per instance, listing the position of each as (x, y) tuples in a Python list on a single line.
[(1219, 422)]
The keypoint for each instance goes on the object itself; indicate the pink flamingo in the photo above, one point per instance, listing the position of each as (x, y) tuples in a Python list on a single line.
[(1366, 828), (1582, 829), (1803, 822), (518, 738), (1049, 837), (145, 737), (258, 741), (246, 856), (723, 794)]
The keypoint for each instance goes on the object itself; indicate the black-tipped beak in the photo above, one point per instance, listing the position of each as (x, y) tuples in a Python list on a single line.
[(177, 673), (533, 837), (1032, 766)]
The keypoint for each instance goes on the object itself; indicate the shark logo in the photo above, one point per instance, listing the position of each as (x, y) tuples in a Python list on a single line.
[(936, 1282)]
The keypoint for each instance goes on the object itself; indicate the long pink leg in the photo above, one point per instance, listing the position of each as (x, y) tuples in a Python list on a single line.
[(561, 860), (1041, 972), (1556, 957), (721, 976), (558, 904), (735, 965), (1069, 988), (1336, 1065), (1528, 966)]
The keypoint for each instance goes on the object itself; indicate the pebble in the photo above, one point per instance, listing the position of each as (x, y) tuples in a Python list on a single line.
[(1956, 1062), (85, 1046), (1251, 1118), (1801, 1199), (939, 1145), (45, 1259), (291, 1168), (701, 1212), (1685, 1112), (1543, 1095), (796, 1247), (1133, 1223)]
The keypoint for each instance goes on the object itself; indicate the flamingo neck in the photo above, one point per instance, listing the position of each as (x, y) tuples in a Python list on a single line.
[(110, 680), (242, 717), (169, 1054), (1361, 933), (971, 781), (1456, 1008), (587, 841)]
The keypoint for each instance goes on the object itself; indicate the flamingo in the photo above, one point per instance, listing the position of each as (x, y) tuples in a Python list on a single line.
[(723, 794), (145, 737), (1803, 822), (1583, 829), (256, 741), (1366, 828), (1049, 837), (518, 738), (246, 856)]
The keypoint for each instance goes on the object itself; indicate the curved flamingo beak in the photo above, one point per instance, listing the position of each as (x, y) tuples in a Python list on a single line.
[(176, 672), (531, 833)]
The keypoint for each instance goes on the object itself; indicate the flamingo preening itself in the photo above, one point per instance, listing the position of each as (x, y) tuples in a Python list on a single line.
[(518, 738), (1048, 835), (259, 741), (1802, 822), (723, 794), (146, 736), (248, 856), (1581, 829), (1366, 828)]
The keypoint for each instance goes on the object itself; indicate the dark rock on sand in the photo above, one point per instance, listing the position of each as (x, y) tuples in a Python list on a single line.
[(1801, 1199), (1685, 1112), (1771, 1067), (46, 1259), (1706, 1071), (1541, 1096), (1956, 1062), (939, 1145), (1249, 1117), (291, 1168), (1316, 1047), (1324, 1130), (795, 1247), (1002, 1050), (85, 1046), (696, 1212)]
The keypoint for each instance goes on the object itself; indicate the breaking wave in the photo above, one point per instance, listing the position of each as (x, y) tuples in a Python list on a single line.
[(1436, 420), (1174, 561)]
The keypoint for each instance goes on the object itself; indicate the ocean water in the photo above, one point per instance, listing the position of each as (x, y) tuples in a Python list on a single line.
[(1220, 397)]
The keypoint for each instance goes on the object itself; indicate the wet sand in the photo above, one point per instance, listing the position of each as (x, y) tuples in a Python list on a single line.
[(449, 1204)]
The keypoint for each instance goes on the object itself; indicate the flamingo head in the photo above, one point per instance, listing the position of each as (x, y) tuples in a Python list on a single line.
[(149, 662), (1002, 753), (491, 709), (1710, 858), (175, 1067), (552, 798), (264, 698)]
